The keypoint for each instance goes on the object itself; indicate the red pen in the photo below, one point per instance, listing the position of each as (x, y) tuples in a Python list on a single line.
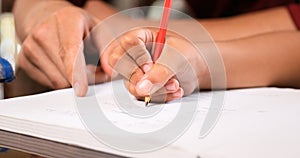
[(161, 36)]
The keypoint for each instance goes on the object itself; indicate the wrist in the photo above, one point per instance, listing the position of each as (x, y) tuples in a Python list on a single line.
[(203, 64)]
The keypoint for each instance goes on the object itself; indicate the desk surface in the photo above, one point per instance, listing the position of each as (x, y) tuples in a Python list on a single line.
[(261, 122)]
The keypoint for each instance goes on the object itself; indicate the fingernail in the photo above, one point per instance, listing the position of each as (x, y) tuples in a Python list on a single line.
[(171, 87), (178, 93), (76, 89), (144, 87), (146, 68)]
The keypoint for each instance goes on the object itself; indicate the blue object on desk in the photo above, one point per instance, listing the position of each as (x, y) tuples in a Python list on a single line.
[(2, 150), (6, 71)]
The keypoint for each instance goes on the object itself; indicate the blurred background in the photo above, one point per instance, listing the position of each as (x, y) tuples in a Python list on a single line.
[(6, 5)]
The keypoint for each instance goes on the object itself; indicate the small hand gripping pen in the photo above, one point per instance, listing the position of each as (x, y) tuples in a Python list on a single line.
[(161, 36)]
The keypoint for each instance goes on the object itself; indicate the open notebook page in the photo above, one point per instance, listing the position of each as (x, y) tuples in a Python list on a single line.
[(261, 122)]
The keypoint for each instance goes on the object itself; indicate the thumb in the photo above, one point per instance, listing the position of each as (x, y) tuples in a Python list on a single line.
[(154, 79)]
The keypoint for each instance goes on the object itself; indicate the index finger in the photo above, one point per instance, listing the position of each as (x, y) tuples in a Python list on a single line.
[(128, 53), (71, 32)]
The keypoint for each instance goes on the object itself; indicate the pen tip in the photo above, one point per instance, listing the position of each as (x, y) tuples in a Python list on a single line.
[(147, 100)]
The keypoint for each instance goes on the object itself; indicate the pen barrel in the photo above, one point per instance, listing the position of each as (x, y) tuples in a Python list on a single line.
[(159, 44), (161, 36)]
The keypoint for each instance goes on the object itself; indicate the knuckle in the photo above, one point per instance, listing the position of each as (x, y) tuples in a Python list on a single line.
[(59, 84), (132, 90), (40, 33), (163, 71), (136, 76), (70, 10), (113, 58), (71, 48), (128, 41), (27, 50)]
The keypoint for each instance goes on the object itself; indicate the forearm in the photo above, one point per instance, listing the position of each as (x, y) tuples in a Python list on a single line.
[(257, 49), (99, 9), (264, 60), (251, 24), (29, 12)]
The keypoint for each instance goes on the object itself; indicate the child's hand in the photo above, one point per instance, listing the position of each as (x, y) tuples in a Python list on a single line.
[(173, 75)]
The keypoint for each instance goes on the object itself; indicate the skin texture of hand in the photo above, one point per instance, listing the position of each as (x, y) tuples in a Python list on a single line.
[(52, 50), (173, 74)]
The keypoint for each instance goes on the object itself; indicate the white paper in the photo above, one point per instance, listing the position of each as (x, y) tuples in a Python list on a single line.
[(258, 122)]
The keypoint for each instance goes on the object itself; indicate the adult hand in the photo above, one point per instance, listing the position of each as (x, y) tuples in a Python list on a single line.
[(173, 75), (52, 53)]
